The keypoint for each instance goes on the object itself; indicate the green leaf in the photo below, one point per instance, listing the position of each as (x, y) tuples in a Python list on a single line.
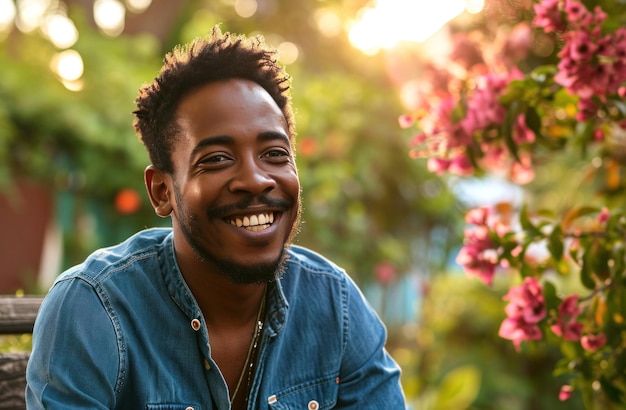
[(533, 121), (514, 92), (586, 277), (543, 73), (550, 296), (527, 225), (507, 129), (555, 243), (459, 388), (612, 392), (586, 135), (563, 366), (570, 353)]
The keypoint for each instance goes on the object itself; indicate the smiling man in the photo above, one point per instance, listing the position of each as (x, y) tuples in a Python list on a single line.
[(221, 311)]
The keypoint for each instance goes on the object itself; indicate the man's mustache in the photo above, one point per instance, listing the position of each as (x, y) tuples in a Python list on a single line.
[(275, 203)]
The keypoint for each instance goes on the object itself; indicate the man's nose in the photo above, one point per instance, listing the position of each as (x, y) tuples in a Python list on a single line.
[(250, 176)]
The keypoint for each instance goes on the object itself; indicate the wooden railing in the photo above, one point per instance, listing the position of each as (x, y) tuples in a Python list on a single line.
[(17, 316)]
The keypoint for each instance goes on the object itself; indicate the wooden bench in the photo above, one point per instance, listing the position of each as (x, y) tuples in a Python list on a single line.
[(17, 316)]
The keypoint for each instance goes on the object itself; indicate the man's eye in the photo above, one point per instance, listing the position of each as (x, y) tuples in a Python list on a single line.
[(214, 159), (276, 153)]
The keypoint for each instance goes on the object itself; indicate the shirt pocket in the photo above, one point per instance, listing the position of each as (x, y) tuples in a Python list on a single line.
[(319, 394), (152, 406)]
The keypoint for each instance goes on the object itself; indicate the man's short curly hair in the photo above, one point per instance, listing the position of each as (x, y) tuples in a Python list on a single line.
[(216, 57)]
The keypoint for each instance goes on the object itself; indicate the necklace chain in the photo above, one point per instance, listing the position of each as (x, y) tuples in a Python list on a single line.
[(252, 350)]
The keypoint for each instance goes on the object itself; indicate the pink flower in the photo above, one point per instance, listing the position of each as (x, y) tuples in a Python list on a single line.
[(586, 109), (477, 259), (406, 121), (517, 331), (495, 157), (466, 51), (570, 330), (461, 165), (603, 216), (522, 173), (521, 133), (477, 216), (593, 64), (577, 13), (526, 308), (598, 134), (478, 256), (592, 343), (483, 107), (548, 16), (418, 139), (566, 325), (437, 165), (566, 392), (526, 301), (569, 306), (580, 46)]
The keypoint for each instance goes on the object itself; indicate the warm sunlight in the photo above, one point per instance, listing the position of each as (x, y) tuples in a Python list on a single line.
[(392, 21), (7, 14)]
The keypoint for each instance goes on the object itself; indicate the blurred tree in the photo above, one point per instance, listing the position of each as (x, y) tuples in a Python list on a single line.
[(361, 203), (455, 363), (550, 94)]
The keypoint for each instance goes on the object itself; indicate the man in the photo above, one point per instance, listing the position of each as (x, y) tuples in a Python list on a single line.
[(221, 311)]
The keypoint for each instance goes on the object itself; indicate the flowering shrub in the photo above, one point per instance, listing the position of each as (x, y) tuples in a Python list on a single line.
[(496, 113)]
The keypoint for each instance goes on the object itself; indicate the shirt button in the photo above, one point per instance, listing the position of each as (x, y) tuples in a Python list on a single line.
[(195, 324), (314, 405)]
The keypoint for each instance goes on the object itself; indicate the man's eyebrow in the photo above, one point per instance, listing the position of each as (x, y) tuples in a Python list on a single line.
[(272, 135), (228, 140), (208, 141)]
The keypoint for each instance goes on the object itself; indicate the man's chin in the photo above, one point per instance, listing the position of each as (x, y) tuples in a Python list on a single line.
[(248, 274)]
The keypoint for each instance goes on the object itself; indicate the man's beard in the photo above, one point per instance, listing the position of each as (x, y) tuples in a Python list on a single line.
[(232, 270)]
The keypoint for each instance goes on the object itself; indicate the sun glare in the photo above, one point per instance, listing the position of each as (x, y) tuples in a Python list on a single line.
[(390, 22), (8, 13)]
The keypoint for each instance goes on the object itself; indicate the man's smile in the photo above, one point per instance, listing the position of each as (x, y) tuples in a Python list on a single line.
[(254, 223)]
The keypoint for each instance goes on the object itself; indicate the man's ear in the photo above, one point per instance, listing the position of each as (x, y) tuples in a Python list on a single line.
[(158, 191)]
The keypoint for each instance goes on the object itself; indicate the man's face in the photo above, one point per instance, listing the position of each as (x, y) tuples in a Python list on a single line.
[(236, 190)]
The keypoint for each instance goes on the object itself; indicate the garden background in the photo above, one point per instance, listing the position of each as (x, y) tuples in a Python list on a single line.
[(365, 75)]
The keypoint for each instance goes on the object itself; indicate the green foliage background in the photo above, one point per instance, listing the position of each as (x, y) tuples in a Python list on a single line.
[(365, 200)]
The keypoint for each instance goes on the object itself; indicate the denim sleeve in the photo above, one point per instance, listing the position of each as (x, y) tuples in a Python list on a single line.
[(75, 357), (370, 378)]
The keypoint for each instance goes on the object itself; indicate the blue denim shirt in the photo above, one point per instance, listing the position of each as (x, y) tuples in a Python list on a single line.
[(120, 331)]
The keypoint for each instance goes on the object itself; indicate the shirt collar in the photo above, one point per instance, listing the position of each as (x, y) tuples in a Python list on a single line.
[(278, 307)]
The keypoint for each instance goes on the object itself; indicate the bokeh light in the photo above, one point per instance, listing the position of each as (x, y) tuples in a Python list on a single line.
[(8, 13), (60, 30), (474, 6), (109, 16), (328, 22), (246, 8), (138, 6), (30, 13), (68, 65), (288, 52)]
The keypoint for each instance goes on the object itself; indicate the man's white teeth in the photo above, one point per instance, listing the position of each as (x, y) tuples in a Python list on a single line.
[(254, 222)]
